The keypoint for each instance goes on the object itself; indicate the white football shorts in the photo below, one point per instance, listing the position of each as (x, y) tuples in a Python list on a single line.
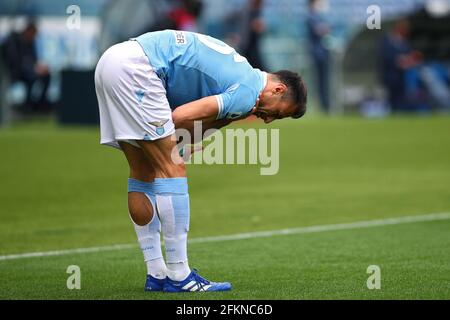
[(131, 98)]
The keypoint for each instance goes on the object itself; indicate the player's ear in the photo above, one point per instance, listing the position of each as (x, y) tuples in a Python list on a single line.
[(280, 88)]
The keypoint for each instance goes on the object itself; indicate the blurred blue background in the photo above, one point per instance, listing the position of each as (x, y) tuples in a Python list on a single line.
[(283, 44)]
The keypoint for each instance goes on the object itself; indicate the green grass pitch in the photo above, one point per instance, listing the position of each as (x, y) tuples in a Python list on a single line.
[(60, 190)]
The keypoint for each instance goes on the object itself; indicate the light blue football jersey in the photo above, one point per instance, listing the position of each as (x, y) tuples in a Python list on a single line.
[(193, 66)]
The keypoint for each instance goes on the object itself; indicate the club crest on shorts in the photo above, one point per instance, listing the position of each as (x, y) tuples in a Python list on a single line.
[(140, 95), (159, 126)]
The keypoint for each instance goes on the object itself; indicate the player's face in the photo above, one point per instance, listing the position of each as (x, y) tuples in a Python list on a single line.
[(271, 105), (273, 110)]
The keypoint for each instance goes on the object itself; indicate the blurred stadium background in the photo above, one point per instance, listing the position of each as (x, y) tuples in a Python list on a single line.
[(354, 77), (60, 190)]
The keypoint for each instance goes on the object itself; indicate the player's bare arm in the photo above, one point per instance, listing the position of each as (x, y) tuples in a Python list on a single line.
[(204, 110)]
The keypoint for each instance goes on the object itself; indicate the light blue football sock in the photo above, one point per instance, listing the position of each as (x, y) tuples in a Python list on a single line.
[(172, 201), (149, 236)]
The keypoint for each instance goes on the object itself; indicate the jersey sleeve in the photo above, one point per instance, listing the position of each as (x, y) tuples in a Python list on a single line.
[(237, 101)]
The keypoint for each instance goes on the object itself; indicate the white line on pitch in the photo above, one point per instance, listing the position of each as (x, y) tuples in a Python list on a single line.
[(249, 235)]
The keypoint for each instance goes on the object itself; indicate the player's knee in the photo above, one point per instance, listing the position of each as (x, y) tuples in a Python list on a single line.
[(140, 208)]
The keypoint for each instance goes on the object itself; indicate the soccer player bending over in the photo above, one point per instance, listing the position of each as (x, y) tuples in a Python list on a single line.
[(148, 86)]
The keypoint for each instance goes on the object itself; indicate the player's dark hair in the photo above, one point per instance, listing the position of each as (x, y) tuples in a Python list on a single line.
[(296, 92)]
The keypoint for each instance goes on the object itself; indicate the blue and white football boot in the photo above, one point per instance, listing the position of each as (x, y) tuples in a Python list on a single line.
[(195, 283), (154, 284)]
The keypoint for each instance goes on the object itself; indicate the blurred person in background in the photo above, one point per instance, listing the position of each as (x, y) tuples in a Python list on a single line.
[(412, 83), (398, 61), (318, 30), (185, 16), (182, 16), (252, 31), (20, 57), (247, 27)]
